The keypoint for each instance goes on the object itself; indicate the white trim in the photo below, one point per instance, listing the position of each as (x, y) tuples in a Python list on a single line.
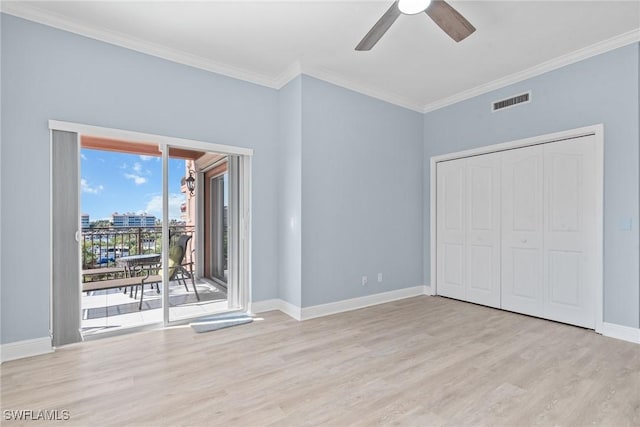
[(28, 11), (164, 254), (287, 308), (597, 131), (615, 42), (321, 310), (265, 305), (432, 224), (246, 232), (526, 142), (129, 135), (290, 310), (290, 73), (620, 332), (363, 89), (360, 302), (27, 348), (33, 13), (599, 190), (51, 233)]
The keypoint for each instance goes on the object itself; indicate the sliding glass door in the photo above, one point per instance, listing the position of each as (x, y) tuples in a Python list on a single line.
[(198, 256), (171, 254)]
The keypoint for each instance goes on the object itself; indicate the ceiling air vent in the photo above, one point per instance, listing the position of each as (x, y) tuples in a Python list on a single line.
[(511, 102)]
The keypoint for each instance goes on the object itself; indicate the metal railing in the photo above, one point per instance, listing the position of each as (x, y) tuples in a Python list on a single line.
[(102, 246)]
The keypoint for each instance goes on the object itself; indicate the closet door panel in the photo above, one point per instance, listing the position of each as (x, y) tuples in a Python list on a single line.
[(522, 230), (450, 239), (483, 229), (569, 233)]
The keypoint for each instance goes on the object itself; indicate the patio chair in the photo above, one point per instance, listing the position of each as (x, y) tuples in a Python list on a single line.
[(177, 268)]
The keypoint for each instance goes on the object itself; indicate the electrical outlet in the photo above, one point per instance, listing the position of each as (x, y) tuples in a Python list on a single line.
[(380, 277), (365, 280)]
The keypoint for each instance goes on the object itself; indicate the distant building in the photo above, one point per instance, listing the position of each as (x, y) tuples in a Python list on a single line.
[(84, 221), (133, 220)]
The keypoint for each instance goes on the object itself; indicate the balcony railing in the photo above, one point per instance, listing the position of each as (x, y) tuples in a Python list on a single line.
[(102, 246)]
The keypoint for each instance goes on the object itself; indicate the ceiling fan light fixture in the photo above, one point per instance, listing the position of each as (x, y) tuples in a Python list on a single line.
[(413, 7)]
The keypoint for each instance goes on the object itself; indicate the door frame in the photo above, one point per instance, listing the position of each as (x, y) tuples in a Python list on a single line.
[(163, 142), (216, 171), (597, 131)]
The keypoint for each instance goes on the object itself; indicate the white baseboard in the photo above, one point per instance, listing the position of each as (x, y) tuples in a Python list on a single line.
[(27, 348), (338, 306), (360, 302), (265, 305), (291, 310), (620, 332), (276, 304)]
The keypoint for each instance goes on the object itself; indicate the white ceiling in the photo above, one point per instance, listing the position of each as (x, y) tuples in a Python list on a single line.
[(415, 64)]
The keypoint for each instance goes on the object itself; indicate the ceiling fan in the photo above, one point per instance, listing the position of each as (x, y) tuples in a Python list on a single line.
[(447, 18)]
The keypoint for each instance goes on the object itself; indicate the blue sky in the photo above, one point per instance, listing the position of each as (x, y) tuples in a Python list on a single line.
[(117, 182)]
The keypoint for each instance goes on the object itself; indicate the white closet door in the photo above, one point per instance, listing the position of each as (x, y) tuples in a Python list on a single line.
[(570, 231), (522, 230), (450, 240), (518, 230), (483, 229)]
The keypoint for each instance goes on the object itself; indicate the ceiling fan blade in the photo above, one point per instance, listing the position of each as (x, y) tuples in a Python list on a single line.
[(381, 27), (450, 20)]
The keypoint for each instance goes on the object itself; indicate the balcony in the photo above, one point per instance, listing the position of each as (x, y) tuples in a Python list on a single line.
[(106, 309)]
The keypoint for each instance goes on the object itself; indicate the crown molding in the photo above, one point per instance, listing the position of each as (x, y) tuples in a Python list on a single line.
[(553, 64), (30, 12), (290, 73), (335, 79)]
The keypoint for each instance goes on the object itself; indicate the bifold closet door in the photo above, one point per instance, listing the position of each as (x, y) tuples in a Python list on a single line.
[(468, 229), (450, 219), (549, 247), (522, 230), (570, 244)]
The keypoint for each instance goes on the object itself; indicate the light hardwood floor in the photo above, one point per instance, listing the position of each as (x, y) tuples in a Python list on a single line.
[(420, 361)]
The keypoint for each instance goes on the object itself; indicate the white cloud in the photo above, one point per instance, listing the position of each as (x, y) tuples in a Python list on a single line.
[(83, 156), (146, 158), (136, 173), (154, 206), (136, 178), (86, 188)]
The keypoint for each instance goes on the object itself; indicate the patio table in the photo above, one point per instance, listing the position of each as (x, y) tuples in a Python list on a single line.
[(134, 264), (133, 261)]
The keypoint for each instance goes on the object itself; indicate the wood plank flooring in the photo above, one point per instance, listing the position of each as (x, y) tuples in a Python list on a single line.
[(421, 361)]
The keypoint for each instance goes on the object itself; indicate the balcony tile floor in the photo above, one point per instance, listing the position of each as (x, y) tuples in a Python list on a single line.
[(114, 309)]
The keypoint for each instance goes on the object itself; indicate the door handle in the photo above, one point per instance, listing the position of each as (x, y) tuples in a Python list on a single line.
[(78, 236)]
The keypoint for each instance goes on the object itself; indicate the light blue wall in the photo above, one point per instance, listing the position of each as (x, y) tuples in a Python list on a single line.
[(602, 89), (289, 257), (340, 180), (361, 194), (52, 74)]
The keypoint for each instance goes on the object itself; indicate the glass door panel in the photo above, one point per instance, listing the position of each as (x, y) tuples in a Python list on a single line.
[(121, 200), (190, 288)]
